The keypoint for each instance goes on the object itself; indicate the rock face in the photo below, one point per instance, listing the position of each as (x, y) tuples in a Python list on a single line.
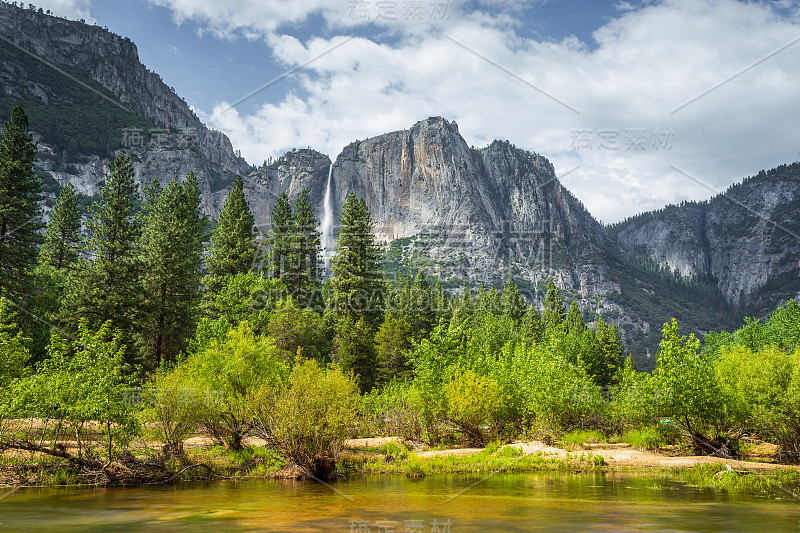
[(293, 172), (113, 62), (477, 214), (742, 240), (468, 216)]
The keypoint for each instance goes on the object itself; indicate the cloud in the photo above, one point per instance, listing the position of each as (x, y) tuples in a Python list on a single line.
[(72, 9), (481, 70)]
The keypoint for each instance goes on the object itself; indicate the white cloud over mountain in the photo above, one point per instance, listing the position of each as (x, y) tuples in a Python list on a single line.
[(706, 88)]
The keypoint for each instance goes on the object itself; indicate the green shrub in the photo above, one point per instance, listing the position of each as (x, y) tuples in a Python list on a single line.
[(172, 408), (227, 376), (473, 402), (762, 393), (80, 382), (688, 388), (392, 411), (635, 400), (309, 418)]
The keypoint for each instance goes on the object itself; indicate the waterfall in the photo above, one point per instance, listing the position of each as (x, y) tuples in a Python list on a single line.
[(327, 225)]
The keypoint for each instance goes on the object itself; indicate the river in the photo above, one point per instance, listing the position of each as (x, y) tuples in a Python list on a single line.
[(442, 503)]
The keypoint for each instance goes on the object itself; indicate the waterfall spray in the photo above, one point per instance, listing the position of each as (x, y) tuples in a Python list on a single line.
[(327, 225)]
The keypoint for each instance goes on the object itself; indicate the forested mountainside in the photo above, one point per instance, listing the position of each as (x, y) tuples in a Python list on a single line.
[(467, 216)]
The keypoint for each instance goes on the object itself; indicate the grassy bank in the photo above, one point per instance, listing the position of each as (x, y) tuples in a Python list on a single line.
[(393, 458), (783, 484)]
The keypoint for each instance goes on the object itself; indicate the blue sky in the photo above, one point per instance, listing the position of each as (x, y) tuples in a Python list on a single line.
[(637, 103), (205, 69)]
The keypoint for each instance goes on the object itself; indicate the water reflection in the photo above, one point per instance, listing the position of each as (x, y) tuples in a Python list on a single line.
[(547, 502)]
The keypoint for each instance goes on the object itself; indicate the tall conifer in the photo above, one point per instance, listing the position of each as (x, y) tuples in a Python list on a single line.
[(172, 259), (233, 246), (106, 285), (62, 238), (357, 279), (20, 217)]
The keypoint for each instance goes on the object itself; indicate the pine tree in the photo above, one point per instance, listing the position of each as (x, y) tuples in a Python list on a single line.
[(532, 326), (574, 321), (62, 238), (421, 314), (20, 217), (233, 246), (357, 280), (172, 259), (355, 351), (463, 308), (392, 342), (442, 303), (306, 254), (554, 313), (513, 304), (611, 347), (106, 285), (280, 241)]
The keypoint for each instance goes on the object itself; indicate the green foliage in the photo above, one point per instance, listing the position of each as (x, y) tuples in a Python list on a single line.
[(299, 331), (781, 329), (542, 385), (20, 193), (762, 393), (228, 375), (687, 381), (611, 352), (305, 268), (473, 401), (532, 326), (392, 342), (512, 302), (310, 416), (357, 281), (636, 399), (354, 350), (392, 410), (574, 321), (62, 238), (106, 286), (233, 248), (171, 407), (579, 437), (554, 313), (294, 249), (646, 438), (280, 239), (246, 296), (13, 346), (81, 381), (171, 256)]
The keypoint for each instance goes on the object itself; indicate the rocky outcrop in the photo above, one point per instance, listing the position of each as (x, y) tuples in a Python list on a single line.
[(471, 217), (742, 239), (291, 173), (113, 62)]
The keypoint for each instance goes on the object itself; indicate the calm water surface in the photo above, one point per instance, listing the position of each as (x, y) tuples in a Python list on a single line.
[(551, 502)]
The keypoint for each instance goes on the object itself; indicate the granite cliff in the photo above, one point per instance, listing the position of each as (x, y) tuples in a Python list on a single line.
[(746, 240), (469, 216), (42, 53)]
